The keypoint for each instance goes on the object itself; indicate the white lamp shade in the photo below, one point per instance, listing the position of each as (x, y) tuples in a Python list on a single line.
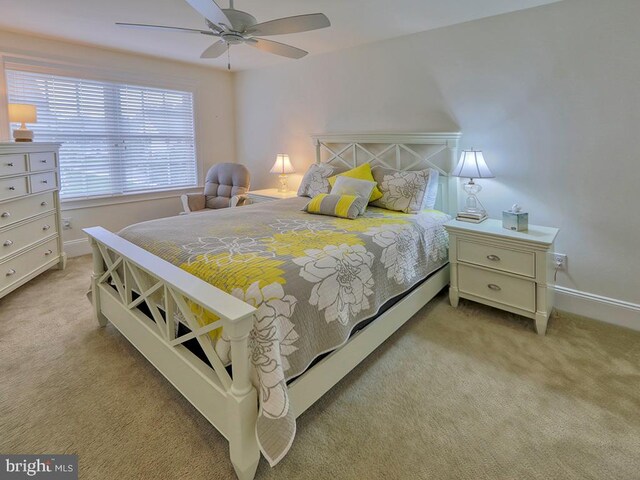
[(22, 113), (282, 165), (472, 165)]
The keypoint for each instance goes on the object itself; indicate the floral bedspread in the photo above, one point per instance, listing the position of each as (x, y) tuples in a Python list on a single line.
[(311, 278)]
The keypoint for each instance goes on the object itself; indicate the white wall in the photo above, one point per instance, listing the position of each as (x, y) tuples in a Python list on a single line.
[(551, 94), (214, 113)]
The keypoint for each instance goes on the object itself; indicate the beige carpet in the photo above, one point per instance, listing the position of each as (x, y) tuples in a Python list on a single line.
[(470, 393)]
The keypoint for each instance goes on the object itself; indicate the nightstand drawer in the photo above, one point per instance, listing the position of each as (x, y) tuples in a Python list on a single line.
[(259, 199), (497, 287), (520, 263)]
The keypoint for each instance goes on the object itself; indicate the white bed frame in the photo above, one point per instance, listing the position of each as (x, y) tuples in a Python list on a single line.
[(230, 403)]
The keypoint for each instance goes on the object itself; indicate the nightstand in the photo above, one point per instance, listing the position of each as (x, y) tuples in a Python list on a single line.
[(269, 194), (502, 268)]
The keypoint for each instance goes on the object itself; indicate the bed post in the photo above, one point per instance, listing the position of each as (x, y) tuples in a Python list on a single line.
[(98, 271), (318, 152), (242, 402)]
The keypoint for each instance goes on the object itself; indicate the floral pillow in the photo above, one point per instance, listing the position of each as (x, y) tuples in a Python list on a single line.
[(316, 180), (401, 191)]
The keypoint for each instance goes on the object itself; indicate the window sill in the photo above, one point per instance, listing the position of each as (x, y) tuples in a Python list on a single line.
[(76, 204)]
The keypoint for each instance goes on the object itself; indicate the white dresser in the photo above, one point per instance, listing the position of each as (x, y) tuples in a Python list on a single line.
[(30, 233), (505, 269)]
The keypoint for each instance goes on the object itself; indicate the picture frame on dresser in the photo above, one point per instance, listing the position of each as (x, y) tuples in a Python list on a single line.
[(30, 220)]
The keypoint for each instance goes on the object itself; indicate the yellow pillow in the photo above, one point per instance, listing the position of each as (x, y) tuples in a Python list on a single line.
[(363, 172)]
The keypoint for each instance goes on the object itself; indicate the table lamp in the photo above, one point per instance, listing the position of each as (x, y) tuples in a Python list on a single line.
[(283, 167), (22, 113), (472, 165)]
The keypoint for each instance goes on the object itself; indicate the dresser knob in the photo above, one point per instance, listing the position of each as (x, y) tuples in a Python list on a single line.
[(44, 204), (46, 227), (7, 243), (43, 161), (12, 188), (48, 252), (5, 215), (44, 181), (493, 258), (10, 272), (494, 287), (10, 164)]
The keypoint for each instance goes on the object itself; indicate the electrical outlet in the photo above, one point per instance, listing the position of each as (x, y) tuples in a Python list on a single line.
[(560, 260), (66, 224)]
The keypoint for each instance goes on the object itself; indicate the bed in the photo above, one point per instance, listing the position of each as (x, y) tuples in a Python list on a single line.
[(275, 298)]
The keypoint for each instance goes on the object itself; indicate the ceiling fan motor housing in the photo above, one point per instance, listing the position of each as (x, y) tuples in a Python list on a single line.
[(240, 21)]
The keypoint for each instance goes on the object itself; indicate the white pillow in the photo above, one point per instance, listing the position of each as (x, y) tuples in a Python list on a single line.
[(353, 186), (431, 194)]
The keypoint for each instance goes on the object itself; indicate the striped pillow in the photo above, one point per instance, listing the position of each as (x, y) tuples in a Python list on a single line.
[(343, 206)]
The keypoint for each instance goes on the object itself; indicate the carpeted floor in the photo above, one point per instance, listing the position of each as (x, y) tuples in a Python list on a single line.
[(470, 393)]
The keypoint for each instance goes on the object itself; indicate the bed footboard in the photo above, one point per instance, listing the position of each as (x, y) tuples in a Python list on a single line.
[(126, 278)]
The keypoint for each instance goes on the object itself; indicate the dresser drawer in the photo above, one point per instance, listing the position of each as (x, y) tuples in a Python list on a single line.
[(497, 287), (521, 263), (11, 164), (13, 187), (43, 181), (42, 161), (17, 238), (12, 212), (17, 268)]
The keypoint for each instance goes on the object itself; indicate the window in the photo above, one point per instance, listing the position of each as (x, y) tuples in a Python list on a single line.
[(116, 139)]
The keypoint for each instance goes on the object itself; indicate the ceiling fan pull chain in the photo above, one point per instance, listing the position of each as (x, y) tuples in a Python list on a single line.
[(228, 57)]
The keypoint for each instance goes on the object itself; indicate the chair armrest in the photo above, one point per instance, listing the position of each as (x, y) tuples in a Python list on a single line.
[(239, 200), (192, 202)]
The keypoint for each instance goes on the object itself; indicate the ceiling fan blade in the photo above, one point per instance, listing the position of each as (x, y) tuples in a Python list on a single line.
[(164, 27), (215, 50), (297, 24), (276, 48), (210, 10)]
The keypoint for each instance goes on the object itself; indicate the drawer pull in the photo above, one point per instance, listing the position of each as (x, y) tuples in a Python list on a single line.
[(46, 227), (12, 188), (10, 164), (493, 258), (5, 215), (7, 243), (494, 287), (44, 181), (10, 272), (48, 252), (43, 161), (44, 204)]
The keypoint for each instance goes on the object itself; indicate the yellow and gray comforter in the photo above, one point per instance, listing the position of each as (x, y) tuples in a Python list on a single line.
[(311, 278)]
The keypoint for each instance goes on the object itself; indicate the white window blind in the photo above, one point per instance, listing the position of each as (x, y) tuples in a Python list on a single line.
[(116, 139)]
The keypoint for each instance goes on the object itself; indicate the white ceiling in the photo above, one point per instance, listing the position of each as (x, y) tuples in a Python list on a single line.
[(354, 22)]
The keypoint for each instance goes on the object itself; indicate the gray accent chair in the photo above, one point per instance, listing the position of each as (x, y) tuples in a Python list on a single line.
[(226, 185)]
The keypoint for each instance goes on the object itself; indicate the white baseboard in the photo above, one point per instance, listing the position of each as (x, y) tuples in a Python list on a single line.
[(605, 309), (76, 248)]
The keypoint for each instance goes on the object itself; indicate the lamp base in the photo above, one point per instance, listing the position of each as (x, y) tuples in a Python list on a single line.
[(283, 183), (23, 135), (473, 207)]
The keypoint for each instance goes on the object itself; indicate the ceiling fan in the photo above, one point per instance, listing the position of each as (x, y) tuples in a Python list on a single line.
[(235, 27)]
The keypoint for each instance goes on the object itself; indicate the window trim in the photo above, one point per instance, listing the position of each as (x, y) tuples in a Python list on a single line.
[(11, 61)]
